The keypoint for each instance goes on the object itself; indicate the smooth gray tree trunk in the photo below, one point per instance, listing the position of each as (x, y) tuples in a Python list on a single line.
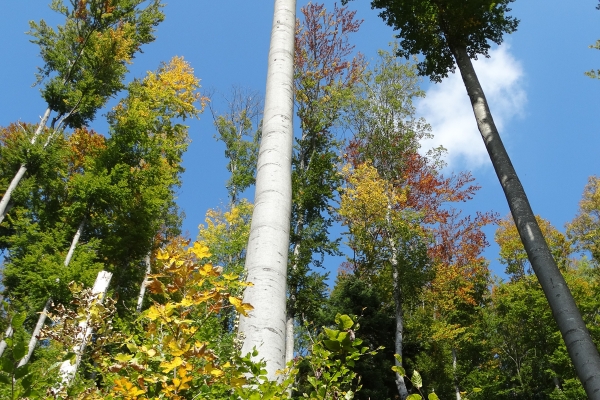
[(74, 243), (268, 245), (67, 369), (399, 331), (36, 333), (454, 367), (44, 313), (7, 334), (580, 346), (140, 301), (21, 172)]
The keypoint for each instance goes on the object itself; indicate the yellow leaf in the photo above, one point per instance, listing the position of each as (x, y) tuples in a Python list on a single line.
[(168, 366), (240, 307)]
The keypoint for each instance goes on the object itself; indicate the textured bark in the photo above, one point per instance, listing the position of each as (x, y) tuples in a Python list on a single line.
[(21, 172), (36, 333), (7, 334), (268, 245), (140, 301), (580, 346), (67, 370), (74, 243)]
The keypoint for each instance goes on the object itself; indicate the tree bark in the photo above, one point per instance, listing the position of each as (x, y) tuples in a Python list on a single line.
[(268, 245), (67, 370), (456, 388), (140, 301), (21, 172), (399, 332), (580, 346), (7, 334), (36, 333), (74, 243)]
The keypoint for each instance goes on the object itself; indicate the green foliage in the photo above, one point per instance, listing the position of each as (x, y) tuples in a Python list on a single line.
[(240, 129), (435, 28), (85, 59), (584, 230)]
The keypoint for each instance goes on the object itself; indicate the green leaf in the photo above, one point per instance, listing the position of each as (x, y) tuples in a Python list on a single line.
[(397, 357), (4, 379), (332, 345), (19, 350), (21, 371), (416, 380), (332, 334), (345, 322), (18, 320), (433, 396), (477, 390), (414, 396), (399, 370), (6, 365)]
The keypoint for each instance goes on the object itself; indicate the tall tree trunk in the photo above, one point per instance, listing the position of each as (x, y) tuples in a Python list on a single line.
[(268, 245), (580, 346), (36, 333), (456, 388), (67, 370), (399, 332), (74, 242), (21, 172), (9, 332), (140, 301), (44, 314)]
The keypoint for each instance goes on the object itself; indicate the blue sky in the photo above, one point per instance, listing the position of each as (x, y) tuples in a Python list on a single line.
[(547, 110)]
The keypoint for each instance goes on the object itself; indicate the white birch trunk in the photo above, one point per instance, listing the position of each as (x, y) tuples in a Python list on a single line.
[(67, 369), (456, 388), (36, 333), (268, 245), (74, 243), (21, 172), (7, 334), (397, 293), (581, 348), (140, 301)]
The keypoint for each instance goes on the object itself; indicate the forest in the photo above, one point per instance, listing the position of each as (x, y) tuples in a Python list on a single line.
[(347, 260)]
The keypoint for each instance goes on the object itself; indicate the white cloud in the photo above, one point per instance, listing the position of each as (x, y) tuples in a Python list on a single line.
[(448, 110)]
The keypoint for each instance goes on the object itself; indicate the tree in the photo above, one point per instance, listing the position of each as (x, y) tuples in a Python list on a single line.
[(408, 192), (242, 120), (325, 73), (85, 62), (449, 33), (267, 252), (585, 227), (512, 253)]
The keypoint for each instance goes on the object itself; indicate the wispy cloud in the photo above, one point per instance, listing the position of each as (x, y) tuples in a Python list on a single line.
[(448, 110)]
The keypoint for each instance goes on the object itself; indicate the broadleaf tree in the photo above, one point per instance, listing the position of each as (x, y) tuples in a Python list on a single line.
[(85, 62), (449, 33)]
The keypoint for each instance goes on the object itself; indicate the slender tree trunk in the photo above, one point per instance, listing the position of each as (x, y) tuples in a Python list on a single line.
[(580, 346), (268, 245), (44, 313), (74, 242), (140, 301), (67, 370), (399, 332), (9, 332), (36, 333), (456, 388), (21, 172)]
